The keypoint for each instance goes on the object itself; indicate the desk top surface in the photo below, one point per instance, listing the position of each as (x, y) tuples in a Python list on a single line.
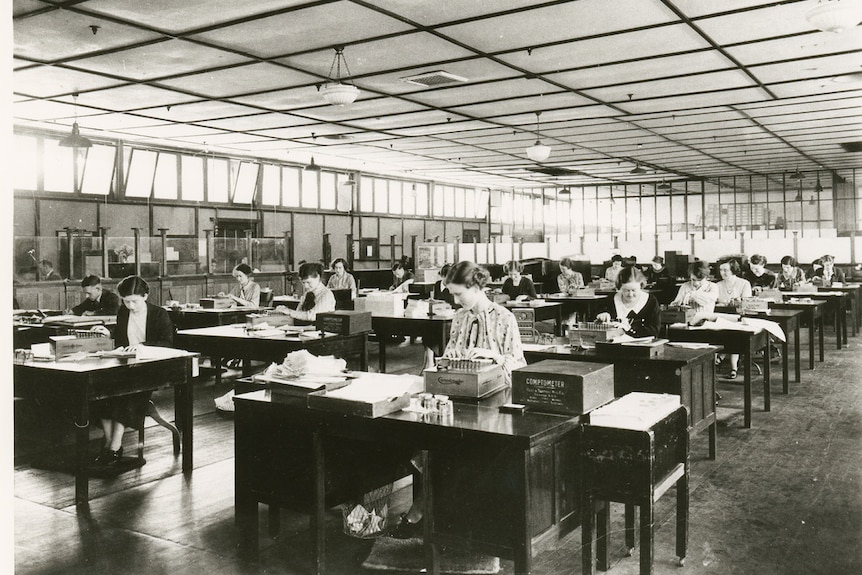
[(532, 304), (779, 315), (238, 331), (567, 297), (435, 318), (214, 311), (466, 418), (148, 355), (670, 354)]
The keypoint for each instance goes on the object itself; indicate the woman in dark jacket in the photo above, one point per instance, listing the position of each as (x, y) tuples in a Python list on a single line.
[(139, 323), (516, 286), (637, 310)]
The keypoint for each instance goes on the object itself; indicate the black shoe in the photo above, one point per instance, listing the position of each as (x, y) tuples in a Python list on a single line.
[(406, 530), (103, 455), (112, 457)]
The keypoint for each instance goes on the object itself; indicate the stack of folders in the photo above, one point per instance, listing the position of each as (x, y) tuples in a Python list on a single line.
[(637, 410)]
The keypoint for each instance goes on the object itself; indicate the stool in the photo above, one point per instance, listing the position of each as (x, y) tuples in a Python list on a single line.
[(634, 467), (157, 417)]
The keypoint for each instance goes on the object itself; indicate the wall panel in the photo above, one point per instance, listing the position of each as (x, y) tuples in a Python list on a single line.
[(308, 237), (179, 220), (54, 215), (24, 222)]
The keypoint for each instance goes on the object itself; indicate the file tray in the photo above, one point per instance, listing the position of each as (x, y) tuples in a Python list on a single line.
[(632, 350), (329, 400)]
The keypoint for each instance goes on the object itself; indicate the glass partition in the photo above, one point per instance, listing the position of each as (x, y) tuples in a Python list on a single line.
[(228, 253), (268, 254)]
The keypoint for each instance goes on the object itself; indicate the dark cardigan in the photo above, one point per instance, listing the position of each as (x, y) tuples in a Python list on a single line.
[(644, 323), (526, 287), (160, 329)]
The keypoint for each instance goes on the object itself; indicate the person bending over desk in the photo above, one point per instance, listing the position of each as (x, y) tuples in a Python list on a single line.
[(731, 289), (480, 329), (790, 276), (138, 323), (516, 286), (757, 275), (570, 281), (828, 273), (401, 278), (341, 279), (316, 297), (698, 293), (247, 292), (99, 300), (636, 310)]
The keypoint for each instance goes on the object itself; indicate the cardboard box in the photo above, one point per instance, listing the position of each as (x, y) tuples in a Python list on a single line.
[(473, 384), (344, 322), (216, 302), (65, 345), (381, 304), (560, 386), (753, 305), (632, 350)]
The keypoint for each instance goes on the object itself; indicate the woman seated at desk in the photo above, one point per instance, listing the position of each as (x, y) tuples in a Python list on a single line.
[(828, 273), (757, 275), (401, 278), (570, 281), (247, 292), (636, 310), (341, 279), (616, 265), (138, 323), (698, 293), (480, 329), (731, 289), (316, 297), (657, 273), (441, 291), (790, 276), (516, 286)]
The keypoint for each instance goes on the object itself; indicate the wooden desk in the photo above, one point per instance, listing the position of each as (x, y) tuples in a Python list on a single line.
[(788, 320), (223, 341), (25, 334), (386, 326), (185, 318), (836, 305), (544, 311), (812, 313), (502, 484), (75, 384), (688, 373), (587, 306), (745, 343), (854, 293)]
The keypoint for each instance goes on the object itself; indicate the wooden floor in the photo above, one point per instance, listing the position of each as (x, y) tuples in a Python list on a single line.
[(784, 497)]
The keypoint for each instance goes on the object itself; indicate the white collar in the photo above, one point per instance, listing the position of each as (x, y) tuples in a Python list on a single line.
[(623, 310)]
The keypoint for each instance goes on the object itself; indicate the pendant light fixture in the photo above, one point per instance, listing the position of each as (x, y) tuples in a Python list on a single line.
[(812, 201), (638, 170), (835, 15), (538, 152), (818, 187), (75, 139), (797, 175), (311, 166), (335, 91), (799, 197), (564, 192), (663, 186)]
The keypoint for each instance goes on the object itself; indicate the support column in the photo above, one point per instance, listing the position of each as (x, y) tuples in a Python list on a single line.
[(69, 249), (288, 251), (391, 250), (208, 252), (250, 248), (349, 241), (103, 234), (457, 250), (137, 248), (692, 244), (163, 232), (796, 245)]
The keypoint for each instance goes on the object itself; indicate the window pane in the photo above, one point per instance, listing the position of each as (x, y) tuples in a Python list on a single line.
[(469, 203), (246, 183), (99, 170), (380, 193), (395, 197), (460, 201), (678, 213), (58, 167), (271, 191), (482, 199), (193, 178), (695, 208), (309, 189), (139, 180), (217, 182), (448, 201), (290, 187), (344, 192), (421, 199), (366, 194), (438, 200), (409, 199), (327, 190), (26, 163), (166, 177), (647, 212)]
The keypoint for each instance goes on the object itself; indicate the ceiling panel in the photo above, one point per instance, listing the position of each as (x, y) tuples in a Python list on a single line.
[(808, 68), (769, 22), (304, 30), (255, 122), (239, 80), (46, 81), (695, 101), (440, 11), (474, 70), (560, 22), (196, 111), (362, 109), (696, 8), (158, 60), (524, 104), (797, 47), (20, 7), (129, 97), (658, 88), (502, 90)]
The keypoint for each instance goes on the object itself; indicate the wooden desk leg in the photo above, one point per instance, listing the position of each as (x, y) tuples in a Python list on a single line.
[(746, 385), (274, 519), (647, 537), (837, 322), (603, 519), (381, 360), (82, 453), (712, 431), (767, 371), (682, 503), (218, 362), (588, 527), (797, 351), (630, 529), (246, 525), (523, 547), (820, 339), (785, 365), (811, 340), (432, 551), (363, 355), (843, 313), (184, 414), (318, 514)]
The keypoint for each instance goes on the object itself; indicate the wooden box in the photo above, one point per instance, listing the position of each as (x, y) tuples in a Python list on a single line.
[(65, 345), (677, 315), (344, 322), (526, 319), (586, 334), (322, 400), (753, 305), (771, 295), (633, 350), (561, 386), (217, 302), (473, 384)]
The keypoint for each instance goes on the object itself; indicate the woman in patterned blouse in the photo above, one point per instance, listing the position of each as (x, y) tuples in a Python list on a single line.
[(481, 328), (341, 279), (790, 276), (569, 280)]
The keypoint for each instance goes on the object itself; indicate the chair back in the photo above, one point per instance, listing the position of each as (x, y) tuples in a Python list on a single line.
[(266, 297)]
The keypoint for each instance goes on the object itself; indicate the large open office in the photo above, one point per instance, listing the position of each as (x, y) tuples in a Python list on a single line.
[(201, 143)]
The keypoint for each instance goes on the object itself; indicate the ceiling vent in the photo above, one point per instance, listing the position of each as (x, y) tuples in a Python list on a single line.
[(435, 78), (553, 171), (337, 137), (852, 146)]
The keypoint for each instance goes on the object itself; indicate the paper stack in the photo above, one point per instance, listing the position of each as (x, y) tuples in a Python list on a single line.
[(637, 410)]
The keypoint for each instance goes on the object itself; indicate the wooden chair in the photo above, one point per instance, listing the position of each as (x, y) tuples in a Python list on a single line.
[(153, 412)]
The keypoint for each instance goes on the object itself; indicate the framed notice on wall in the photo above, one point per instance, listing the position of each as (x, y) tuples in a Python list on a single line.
[(369, 249)]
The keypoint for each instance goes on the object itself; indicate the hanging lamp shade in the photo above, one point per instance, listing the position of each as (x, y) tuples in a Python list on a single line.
[(564, 192), (311, 166), (538, 152), (818, 187), (835, 15), (637, 170), (75, 139), (335, 91)]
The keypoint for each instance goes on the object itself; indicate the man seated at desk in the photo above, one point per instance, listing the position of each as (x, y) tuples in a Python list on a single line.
[(46, 268), (99, 300)]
